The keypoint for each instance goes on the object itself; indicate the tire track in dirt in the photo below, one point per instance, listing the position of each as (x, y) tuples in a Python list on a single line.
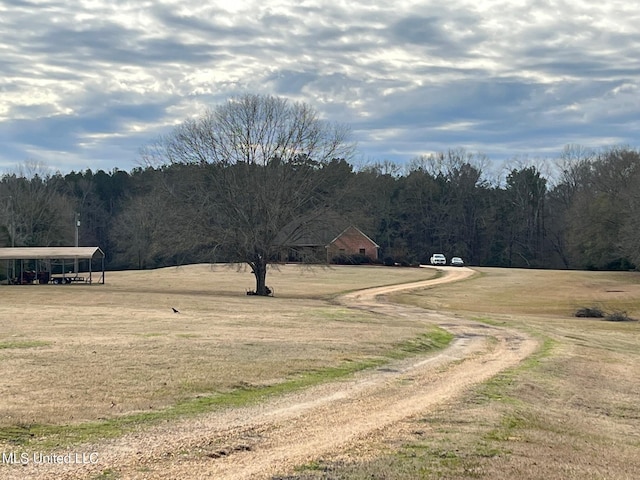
[(272, 438)]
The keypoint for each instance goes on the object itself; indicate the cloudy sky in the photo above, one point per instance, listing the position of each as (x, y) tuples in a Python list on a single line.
[(87, 83)]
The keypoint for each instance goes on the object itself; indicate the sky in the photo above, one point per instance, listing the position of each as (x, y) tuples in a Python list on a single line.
[(88, 83)]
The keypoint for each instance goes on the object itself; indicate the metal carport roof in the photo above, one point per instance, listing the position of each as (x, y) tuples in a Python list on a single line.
[(49, 254), (58, 253)]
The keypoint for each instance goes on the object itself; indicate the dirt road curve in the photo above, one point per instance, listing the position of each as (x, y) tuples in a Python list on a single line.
[(271, 439)]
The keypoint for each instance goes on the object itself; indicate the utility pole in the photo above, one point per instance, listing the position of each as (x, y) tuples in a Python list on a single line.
[(75, 262), (12, 232)]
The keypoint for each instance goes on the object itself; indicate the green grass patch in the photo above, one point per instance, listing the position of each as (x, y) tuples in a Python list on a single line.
[(420, 460), (23, 344), (509, 423), (57, 436), (16, 435), (107, 474), (436, 339), (50, 436), (498, 387)]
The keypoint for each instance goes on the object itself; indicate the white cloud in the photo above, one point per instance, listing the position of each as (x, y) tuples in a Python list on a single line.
[(91, 81)]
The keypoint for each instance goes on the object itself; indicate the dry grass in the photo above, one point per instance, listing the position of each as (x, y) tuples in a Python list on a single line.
[(556, 293), (77, 353), (570, 412)]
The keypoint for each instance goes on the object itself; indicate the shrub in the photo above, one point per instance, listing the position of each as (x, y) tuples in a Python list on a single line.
[(595, 312), (619, 317), (356, 259), (589, 312)]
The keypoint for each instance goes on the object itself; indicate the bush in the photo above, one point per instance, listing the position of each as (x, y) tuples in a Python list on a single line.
[(595, 312), (356, 259), (619, 317), (589, 312)]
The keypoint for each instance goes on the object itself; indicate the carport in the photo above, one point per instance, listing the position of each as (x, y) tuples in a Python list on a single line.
[(59, 265)]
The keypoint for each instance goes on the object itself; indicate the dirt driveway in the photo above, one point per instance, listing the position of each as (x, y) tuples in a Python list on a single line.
[(272, 438)]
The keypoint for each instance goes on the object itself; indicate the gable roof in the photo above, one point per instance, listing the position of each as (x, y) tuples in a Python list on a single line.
[(316, 231), (58, 253), (358, 230)]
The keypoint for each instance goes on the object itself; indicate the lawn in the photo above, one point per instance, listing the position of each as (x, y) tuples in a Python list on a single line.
[(81, 353)]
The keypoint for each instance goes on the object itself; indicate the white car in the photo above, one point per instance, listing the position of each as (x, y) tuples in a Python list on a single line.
[(457, 262), (438, 259)]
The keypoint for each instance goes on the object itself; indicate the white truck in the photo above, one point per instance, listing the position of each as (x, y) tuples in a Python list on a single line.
[(438, 259)]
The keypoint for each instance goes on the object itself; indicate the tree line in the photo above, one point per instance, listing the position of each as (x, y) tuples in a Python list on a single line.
[(240, 181), (584, 216)]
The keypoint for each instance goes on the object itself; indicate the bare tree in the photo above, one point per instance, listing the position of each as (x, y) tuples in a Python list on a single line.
[(137, 229), (33, 212), (265, 168), (525, 191), (602, 226)]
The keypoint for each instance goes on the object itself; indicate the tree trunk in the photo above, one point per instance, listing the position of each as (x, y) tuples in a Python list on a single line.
[(259, 270)]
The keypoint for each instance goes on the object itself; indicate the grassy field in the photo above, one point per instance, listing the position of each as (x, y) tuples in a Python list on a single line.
[(108, 355), (77, 356), (570, 412)]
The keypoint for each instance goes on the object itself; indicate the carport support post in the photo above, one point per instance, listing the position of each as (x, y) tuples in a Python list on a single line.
[(75, 263)]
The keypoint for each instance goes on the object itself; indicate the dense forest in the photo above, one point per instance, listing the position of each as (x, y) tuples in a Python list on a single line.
[(578, 211), (258, 174)]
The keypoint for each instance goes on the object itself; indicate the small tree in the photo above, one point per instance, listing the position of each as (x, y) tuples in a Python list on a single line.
[(264, 171)]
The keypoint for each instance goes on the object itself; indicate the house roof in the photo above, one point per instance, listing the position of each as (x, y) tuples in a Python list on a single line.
[(359, 231), (311, 231), (58, 253), (323, 237)]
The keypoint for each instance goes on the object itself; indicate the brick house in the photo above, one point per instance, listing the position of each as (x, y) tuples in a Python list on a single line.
[(317, 242), (352, 241)]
